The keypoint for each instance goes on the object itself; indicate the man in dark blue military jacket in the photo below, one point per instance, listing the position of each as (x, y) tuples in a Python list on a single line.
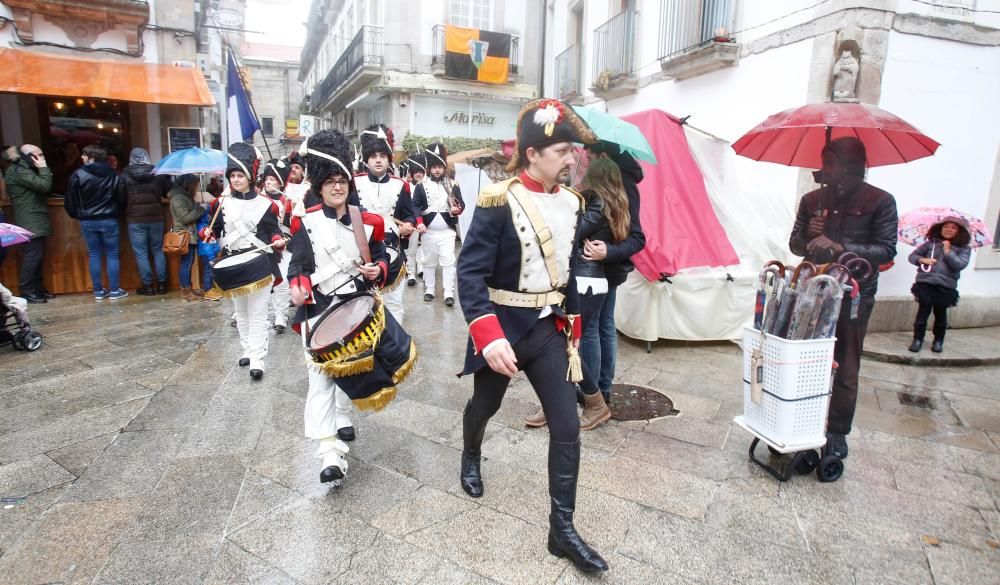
[(520, 301)]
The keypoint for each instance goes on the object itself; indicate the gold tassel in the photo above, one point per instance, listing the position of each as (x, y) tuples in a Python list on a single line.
[(248, 289), (377, 401), (407, 367), (574, 373)]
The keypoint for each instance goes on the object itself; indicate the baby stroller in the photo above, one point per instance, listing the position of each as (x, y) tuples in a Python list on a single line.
[(14, 327)]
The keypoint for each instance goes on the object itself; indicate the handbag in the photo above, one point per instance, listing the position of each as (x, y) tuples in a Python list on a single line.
[(176, 243)]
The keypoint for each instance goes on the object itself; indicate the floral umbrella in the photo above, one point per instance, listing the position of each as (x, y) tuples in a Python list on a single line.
[(913, 225)]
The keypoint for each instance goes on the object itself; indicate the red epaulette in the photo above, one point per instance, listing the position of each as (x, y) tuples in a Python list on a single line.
[(375, 220)]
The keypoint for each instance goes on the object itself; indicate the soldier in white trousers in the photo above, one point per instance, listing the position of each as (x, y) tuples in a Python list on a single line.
[(438, 202)]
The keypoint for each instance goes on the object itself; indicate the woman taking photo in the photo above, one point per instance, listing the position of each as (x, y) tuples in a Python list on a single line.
[(186, 214)]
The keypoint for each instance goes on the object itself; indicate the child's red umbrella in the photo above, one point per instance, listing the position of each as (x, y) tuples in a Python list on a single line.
[(796, 137)]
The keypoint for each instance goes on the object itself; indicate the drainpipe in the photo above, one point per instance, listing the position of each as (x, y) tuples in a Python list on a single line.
[(541, 67)]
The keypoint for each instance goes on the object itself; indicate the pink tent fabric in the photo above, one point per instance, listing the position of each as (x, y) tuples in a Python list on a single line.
[(682, 230)]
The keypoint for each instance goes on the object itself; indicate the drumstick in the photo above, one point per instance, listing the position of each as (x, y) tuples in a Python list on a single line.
[(214, 217)]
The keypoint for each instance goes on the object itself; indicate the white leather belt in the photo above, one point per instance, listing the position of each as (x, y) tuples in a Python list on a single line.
[(509, 298)]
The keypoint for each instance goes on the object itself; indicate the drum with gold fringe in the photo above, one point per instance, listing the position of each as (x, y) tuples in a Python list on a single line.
[(358, 342), (242, 274)]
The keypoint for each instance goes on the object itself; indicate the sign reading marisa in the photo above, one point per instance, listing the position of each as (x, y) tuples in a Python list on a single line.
[(478, 55), (474, 118)]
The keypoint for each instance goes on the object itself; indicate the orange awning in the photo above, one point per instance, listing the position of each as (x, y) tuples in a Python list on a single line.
[(62, 75)]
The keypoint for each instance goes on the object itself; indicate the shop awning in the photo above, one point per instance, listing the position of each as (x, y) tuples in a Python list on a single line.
[(49, 74)]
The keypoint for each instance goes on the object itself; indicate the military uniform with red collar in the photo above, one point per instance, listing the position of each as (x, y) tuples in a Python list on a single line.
[(248, 221), (516, 288)]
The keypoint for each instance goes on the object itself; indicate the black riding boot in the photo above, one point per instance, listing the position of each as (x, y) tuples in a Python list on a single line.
[(564, 467), (473, 430)]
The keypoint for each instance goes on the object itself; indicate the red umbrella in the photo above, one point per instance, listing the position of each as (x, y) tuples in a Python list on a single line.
[(796, 137)]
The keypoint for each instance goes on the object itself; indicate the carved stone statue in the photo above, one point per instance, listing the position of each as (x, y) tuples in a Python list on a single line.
[(845, 76)]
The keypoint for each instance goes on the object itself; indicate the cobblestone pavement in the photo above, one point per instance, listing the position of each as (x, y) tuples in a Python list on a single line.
[(133, 450)]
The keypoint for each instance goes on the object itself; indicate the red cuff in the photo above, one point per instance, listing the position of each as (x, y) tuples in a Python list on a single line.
[(384, 266), (305, 283), (420, 220), (562, 322), (276, 237), (485, 330)]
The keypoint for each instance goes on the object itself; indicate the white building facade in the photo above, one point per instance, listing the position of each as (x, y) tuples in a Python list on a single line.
[(379, 61), (730, 63)]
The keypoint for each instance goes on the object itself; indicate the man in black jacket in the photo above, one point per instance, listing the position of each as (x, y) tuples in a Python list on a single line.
[(847, 215), (94, 198), (616, 257)]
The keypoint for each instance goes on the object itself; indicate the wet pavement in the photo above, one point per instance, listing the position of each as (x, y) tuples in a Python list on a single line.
[(134, 450)]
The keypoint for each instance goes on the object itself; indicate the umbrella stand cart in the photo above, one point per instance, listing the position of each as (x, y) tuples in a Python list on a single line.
[(787, 386)]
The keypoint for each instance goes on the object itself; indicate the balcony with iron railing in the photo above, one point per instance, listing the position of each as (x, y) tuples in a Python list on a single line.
[(567, 73), (438, 57), (614, 56), (359, 64), (696, 37)]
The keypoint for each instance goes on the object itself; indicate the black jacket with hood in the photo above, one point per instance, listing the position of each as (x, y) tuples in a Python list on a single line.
[(618, 263), (144, 191), (95, 192)]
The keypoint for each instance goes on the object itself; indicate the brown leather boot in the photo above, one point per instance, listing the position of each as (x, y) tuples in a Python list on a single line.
[(536, 420), (595, 411), (187, 295)]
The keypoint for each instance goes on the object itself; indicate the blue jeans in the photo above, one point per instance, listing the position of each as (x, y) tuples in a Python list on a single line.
[(187, 260), (590, 341), (206, 272), (101, 236), (601, 346), (146, 238)]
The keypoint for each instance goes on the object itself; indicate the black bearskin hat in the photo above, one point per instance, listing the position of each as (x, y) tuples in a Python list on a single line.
[(544, 122), (327, 153), (276, 168), (295, 159), (376, 138), (245, 158), (436, 153), (417, 163)]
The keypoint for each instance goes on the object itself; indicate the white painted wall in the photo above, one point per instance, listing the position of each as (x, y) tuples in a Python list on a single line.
[(948, 90), (730, 102)]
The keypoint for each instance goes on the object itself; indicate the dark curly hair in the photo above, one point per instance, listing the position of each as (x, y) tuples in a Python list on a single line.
[(318, 168)]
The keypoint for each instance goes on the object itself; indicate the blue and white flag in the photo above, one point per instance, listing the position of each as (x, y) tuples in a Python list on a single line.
[(241, 123)]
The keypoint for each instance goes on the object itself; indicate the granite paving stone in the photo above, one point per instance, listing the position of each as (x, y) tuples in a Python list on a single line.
[(306, 540), (70, 542), (28, 476), (148, 456), (235, 566), (131, 466)]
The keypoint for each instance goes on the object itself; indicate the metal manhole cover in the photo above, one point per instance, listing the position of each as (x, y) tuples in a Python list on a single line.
[(631, 402)]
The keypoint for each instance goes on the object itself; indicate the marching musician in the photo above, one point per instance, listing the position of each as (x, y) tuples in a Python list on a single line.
[(324, 248), (388, 196), (297, 187), (417, 166), (275, 180), (247, 221), (438, 202), (522, 308)]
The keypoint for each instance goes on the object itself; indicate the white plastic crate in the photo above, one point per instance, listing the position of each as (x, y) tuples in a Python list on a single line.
[(796, 388)]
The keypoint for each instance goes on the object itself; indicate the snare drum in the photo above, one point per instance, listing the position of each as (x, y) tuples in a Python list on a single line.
[(360, 344), (242, 274), (397, 268)]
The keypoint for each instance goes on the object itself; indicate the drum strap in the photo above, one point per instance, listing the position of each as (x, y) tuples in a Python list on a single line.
[(359, 233)]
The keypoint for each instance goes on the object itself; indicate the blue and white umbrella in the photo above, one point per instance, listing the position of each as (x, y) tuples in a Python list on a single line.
[(192, 161)]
